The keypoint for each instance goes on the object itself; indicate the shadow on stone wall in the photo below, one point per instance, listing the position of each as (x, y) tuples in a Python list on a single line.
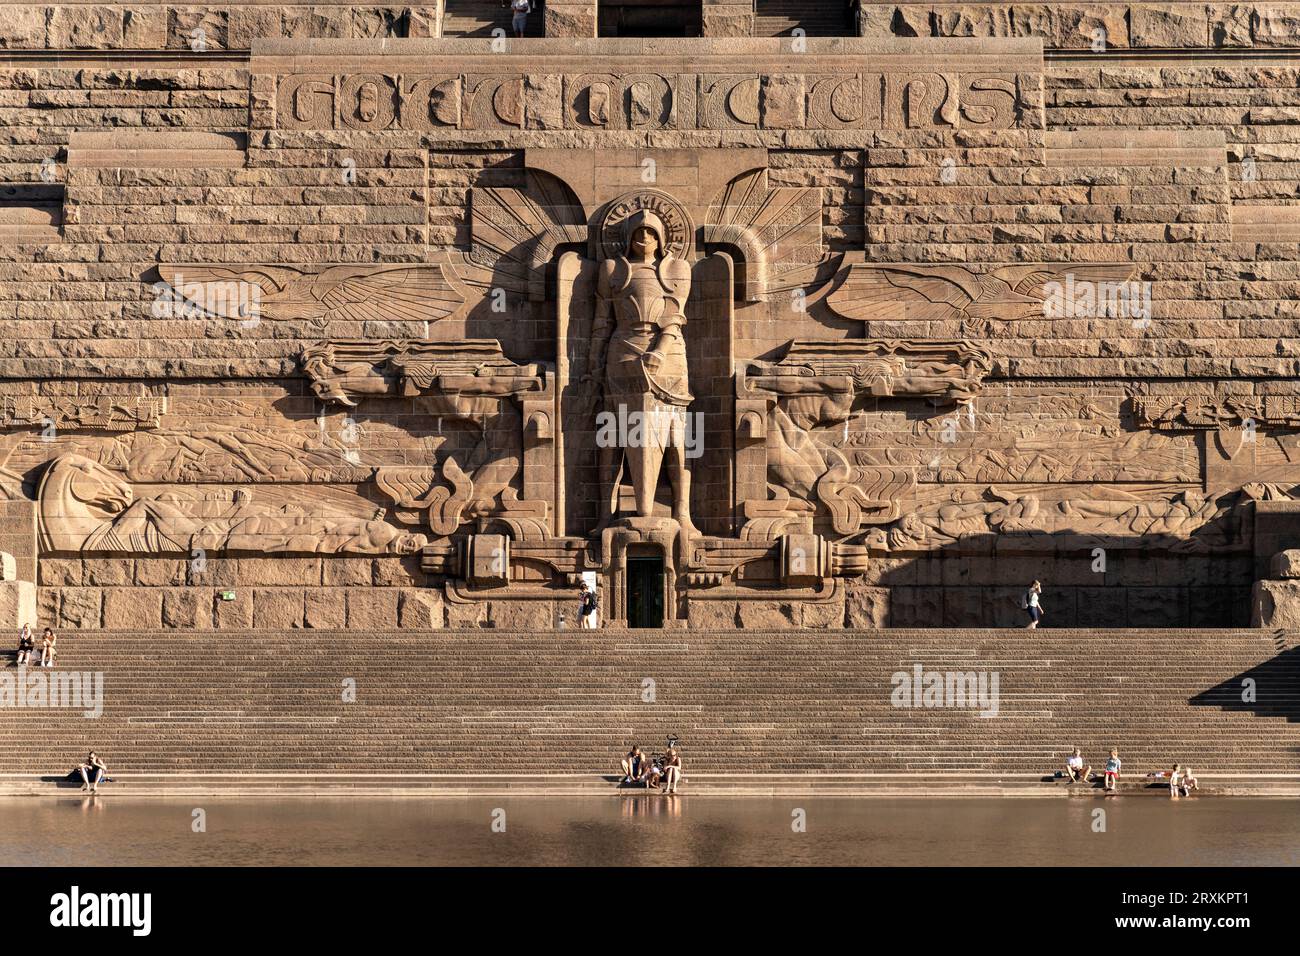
[(1270, 689), (1088, 581)]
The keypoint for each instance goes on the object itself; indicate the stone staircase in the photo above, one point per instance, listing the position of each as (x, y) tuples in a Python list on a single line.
[(817, 18), (478, 18), (743, 702)]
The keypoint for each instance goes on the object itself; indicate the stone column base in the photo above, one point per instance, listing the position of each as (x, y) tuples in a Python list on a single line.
[(17, 605), (570, 19), (1275, 604)]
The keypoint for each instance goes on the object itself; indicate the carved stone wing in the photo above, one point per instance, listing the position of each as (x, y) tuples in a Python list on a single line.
[(360, 293), (777, 230), (871, 292), (939, 292), (514, 233), (411, 293)]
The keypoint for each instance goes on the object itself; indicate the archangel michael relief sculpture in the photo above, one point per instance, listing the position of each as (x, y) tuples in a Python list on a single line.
[(638, 362)]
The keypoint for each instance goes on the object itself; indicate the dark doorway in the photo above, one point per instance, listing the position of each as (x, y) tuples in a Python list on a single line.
[(649, 18), (645, 592)]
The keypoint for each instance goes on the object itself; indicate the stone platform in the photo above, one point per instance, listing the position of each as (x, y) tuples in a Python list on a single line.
[(486, 711)]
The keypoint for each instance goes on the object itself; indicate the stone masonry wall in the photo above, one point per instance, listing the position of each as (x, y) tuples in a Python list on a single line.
[(1187, 167)]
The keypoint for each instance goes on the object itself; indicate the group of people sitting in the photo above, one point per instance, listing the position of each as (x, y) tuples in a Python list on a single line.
[(651, 770), (1077, 770), (27, 646)]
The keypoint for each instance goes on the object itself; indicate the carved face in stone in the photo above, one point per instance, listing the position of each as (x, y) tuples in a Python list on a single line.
[(645, 235)]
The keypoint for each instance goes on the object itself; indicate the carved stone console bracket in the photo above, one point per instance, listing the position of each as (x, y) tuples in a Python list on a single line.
[(782, 407)]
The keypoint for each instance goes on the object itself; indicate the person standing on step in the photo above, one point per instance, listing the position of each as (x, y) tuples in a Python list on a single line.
[(587, 607), (1030, 603), (1113, 766), (520, 10)]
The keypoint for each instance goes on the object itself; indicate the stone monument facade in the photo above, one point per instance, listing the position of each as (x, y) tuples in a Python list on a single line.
[(358, 317)]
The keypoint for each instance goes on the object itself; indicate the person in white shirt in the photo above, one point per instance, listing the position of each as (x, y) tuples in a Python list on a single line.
[(1030, 604), (520, 9), (1076, 769)]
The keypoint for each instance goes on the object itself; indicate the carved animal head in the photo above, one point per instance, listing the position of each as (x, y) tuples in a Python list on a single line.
[(94, 485)]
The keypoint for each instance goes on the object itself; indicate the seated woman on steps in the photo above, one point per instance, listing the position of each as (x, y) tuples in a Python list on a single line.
[(26, 644), (672, 770), (48, 640)]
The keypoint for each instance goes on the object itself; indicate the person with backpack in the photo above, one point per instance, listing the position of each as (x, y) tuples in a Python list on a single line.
[(1029, 603), (587, 609)]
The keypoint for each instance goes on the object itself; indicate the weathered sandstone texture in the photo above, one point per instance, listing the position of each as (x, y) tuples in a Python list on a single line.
[(316, 320)]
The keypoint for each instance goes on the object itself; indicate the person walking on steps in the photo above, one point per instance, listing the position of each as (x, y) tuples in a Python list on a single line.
[(1031, 606), (587, 609), (519, 19)]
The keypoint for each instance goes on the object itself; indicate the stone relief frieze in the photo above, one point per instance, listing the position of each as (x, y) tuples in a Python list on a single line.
[(1184, 520), (506, 406), (795, 402), (85, 507), (649, 100)]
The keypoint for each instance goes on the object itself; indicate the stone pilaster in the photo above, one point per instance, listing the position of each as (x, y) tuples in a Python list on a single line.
[(727, 18), (570, 18)]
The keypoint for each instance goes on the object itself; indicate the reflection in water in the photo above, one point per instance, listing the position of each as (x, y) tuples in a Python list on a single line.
[(646, 828), (651, 804)]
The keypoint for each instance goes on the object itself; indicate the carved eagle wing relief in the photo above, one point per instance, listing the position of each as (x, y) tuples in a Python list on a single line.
[(983, 302), (357, 293)]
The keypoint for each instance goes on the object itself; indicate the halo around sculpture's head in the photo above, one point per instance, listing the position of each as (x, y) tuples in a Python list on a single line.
[(645, 219), (648, 208)]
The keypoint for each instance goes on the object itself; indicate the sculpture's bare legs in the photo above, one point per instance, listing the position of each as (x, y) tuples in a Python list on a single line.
[(680, 477)]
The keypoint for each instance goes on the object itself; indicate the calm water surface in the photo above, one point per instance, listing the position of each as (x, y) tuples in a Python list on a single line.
[(646, 829)]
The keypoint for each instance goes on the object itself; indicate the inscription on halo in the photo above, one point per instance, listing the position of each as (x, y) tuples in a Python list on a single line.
[(680, 240)]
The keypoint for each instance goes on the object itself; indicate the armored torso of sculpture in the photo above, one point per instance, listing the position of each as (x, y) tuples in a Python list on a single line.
[(647, 300)]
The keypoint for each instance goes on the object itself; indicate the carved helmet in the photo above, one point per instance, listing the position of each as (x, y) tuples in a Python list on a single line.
[(645, 219)]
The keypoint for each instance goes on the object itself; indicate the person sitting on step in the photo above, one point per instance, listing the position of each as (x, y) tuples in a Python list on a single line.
[(651, 773), (1188, 782), (48, 651), (672, 770), (92, 772), (1113, 766), (631, 764), (26, 644), (1076, 768)]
